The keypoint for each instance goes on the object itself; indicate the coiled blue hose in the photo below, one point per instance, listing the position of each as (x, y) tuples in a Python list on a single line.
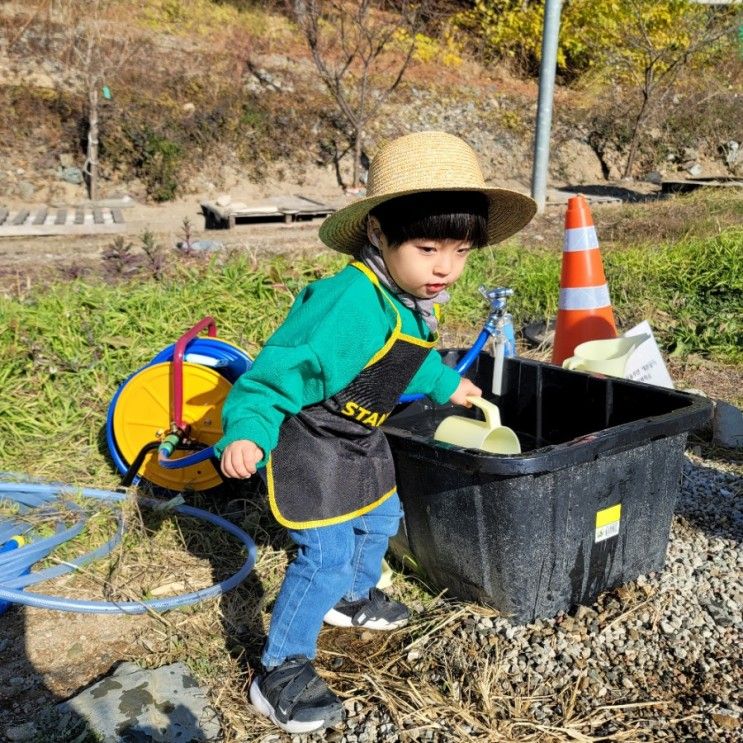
[(13, 564), (227, 360)]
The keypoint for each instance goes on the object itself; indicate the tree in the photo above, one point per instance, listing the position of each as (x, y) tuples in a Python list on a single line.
[(657, 40), (361, 51), (93, 50)]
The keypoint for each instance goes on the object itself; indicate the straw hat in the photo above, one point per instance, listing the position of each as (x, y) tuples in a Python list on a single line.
[(420, 162)]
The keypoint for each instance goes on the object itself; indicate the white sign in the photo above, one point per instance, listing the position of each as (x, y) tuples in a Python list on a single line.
[(606, 532), (646, 363)]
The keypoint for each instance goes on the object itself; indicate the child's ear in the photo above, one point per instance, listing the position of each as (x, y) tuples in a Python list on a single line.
[(373, 230)]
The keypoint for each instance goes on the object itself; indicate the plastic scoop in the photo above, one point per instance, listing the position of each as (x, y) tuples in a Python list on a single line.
[(608, 356), (488, 435)]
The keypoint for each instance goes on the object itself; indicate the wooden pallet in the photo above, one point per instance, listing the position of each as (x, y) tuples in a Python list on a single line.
[(692, 184), (282, 208), (63, 221)]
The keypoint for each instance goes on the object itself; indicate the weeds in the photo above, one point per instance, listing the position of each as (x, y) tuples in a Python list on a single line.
[(64, 350), (154, 253), (74, 271), (118, 259), (187, 232)]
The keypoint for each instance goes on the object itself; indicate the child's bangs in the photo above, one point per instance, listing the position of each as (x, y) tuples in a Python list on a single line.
[(436, 215)]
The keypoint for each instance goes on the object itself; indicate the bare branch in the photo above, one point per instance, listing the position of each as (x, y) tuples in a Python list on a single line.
[(361, 51)]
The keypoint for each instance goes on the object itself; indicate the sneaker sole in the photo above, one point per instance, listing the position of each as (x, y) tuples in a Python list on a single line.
[(338, 619), (263, 706)]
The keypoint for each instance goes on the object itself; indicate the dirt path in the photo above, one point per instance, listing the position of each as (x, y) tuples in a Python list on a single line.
[(24, 259)]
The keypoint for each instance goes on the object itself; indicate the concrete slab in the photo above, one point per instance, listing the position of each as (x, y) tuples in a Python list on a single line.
[(163, 705)]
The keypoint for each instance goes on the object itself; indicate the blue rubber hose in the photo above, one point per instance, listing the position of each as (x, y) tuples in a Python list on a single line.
[(464, 363), (8, 545), (176, 464), (15, 565), (226, 359), (30, 495)]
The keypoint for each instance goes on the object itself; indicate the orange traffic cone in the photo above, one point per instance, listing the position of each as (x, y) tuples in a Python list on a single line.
[(584, 310)]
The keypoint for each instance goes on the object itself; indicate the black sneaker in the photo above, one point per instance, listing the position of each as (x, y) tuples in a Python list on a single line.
[(378, 611), (296, 698)]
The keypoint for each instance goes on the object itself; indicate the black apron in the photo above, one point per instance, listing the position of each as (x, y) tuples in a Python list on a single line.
[(332, 463)]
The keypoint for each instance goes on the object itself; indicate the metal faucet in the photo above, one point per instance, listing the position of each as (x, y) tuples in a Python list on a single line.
[(500, 326), (498, 315)]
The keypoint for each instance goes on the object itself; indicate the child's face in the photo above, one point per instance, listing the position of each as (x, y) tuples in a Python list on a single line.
[(424, 267)]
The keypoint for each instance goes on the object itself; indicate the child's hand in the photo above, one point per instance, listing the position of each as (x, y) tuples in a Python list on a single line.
[(466, 387), (239, 459)]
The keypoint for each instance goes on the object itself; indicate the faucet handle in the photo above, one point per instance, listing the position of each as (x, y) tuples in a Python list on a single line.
[(496, 296)]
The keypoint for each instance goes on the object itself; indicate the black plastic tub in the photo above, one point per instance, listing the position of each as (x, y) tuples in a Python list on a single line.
[(585, 507)]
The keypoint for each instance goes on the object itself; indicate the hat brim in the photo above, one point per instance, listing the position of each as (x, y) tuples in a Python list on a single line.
[(508, 212)]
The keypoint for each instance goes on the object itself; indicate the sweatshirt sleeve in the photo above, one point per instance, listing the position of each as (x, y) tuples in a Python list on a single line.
[(326, 339), (435, 379)]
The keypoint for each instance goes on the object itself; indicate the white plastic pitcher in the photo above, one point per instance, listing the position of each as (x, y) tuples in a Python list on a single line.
[(608, 356), (488, 435)]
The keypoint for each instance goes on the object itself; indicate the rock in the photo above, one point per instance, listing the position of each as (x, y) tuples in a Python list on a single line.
[(654, 176), (540, 333), (164, 703), (727, 721), (577, 162), (201, 245), (66, 160), (26, 731), (584, 612), (731, 151), (727, 425), (694, 169), (25, 190), (71, 175)]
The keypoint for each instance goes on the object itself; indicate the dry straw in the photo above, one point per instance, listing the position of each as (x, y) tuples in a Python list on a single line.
[(419, 163)]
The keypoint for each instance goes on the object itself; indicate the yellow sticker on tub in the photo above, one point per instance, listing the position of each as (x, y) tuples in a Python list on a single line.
[(607, 522)]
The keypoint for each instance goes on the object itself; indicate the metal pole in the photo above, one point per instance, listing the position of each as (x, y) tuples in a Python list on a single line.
[(544, 107)]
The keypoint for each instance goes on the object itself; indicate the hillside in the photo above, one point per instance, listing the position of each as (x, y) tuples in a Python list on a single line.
[(206, 97)]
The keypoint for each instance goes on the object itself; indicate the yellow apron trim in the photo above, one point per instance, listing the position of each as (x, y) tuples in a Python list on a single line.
[(318, 522), (398, 320), (419, 341), (396, 334)]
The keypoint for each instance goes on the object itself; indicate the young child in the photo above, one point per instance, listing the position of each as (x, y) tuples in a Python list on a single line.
[(310, 408)]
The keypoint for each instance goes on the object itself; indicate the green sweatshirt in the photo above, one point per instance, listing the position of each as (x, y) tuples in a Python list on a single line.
[(334, 327)]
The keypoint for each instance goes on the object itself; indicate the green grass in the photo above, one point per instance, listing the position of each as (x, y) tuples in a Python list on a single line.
[(691, 291), (65, 349)]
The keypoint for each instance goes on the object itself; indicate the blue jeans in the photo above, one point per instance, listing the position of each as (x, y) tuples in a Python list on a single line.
[(332, 562)]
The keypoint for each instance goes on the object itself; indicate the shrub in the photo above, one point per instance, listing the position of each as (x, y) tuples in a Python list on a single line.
[(593, 33)]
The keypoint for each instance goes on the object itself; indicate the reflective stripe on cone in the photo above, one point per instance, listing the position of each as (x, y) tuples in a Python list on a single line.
[(585, 298)]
